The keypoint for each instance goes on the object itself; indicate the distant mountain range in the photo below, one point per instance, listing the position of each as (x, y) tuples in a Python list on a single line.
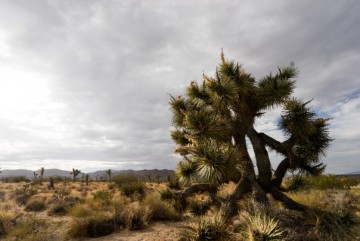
[(155, 174)]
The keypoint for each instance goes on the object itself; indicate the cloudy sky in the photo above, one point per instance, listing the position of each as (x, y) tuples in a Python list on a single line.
[(85, 83)]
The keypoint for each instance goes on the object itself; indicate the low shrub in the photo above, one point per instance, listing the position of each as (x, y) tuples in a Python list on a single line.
[(103, 196), (136, 216), (80, 210), (124, 179), (198, 208), (166, 194), (94, 226), (2, 196), (334, 224), (6, 221), (60, 208), (132, 188), (261, 227), (160, 211), (35, 205), (208, 229)]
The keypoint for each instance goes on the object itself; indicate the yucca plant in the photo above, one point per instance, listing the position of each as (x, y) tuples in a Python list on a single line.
[(215, 117), (261, 227), (206, 229)]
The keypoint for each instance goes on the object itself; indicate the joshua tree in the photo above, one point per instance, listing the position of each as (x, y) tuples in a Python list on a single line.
[(75, 173), (87, 179), (35, 175), (148, 175), (214, 119), (41, 174), (109, 174)]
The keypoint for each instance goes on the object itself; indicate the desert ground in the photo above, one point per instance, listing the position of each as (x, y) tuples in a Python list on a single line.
[(105, 211)]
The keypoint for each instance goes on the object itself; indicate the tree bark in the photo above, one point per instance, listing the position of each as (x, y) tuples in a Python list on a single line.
[(262, 159), (280, 172)]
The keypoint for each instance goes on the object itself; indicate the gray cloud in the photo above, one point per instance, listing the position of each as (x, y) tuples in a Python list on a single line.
[(106, 68)]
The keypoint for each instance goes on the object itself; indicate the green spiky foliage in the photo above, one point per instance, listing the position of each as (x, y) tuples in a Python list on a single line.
[(214, 118)]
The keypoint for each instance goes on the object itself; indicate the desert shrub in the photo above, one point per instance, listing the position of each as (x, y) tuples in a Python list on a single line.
[(132, 188), (124, 178), (29, 229), (261, 227), (80, 210), (207, 229), (6, 221), (93, 226), (160, 210), (35, 205), (198, 208), (334, 224), (60, 208), (103, 196), (180, 204), (22, 199), (136, 216), (2, 196), (15, 179), (166, 194)]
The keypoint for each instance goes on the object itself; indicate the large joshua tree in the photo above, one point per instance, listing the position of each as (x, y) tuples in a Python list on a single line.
[(214, 119)]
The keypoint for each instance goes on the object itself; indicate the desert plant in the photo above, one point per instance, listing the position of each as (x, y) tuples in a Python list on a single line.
[(215, 118), (93, 226), (59, 208), (132, 188), (87, 179), (124, 179), (207, 229), (2, 196), (148, 175), (6, 221), (334, 224), (261, 227), (35, 205), (109, 174), (198, 208), (51, 183), (75, 173), (136, 216), (166, 194), (41, 175), (159, 210), (103, 196)]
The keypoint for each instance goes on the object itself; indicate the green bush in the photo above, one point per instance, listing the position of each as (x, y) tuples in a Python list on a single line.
[(132, 188), (94, 226), (166, 194)]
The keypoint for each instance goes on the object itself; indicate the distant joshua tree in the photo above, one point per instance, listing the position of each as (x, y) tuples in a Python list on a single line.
[(35, 175), (41, 174), (148, 175), (109, 174), (87, 179), (75, 173)]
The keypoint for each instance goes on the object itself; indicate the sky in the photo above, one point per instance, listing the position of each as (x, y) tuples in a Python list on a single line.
[(85, 84)]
